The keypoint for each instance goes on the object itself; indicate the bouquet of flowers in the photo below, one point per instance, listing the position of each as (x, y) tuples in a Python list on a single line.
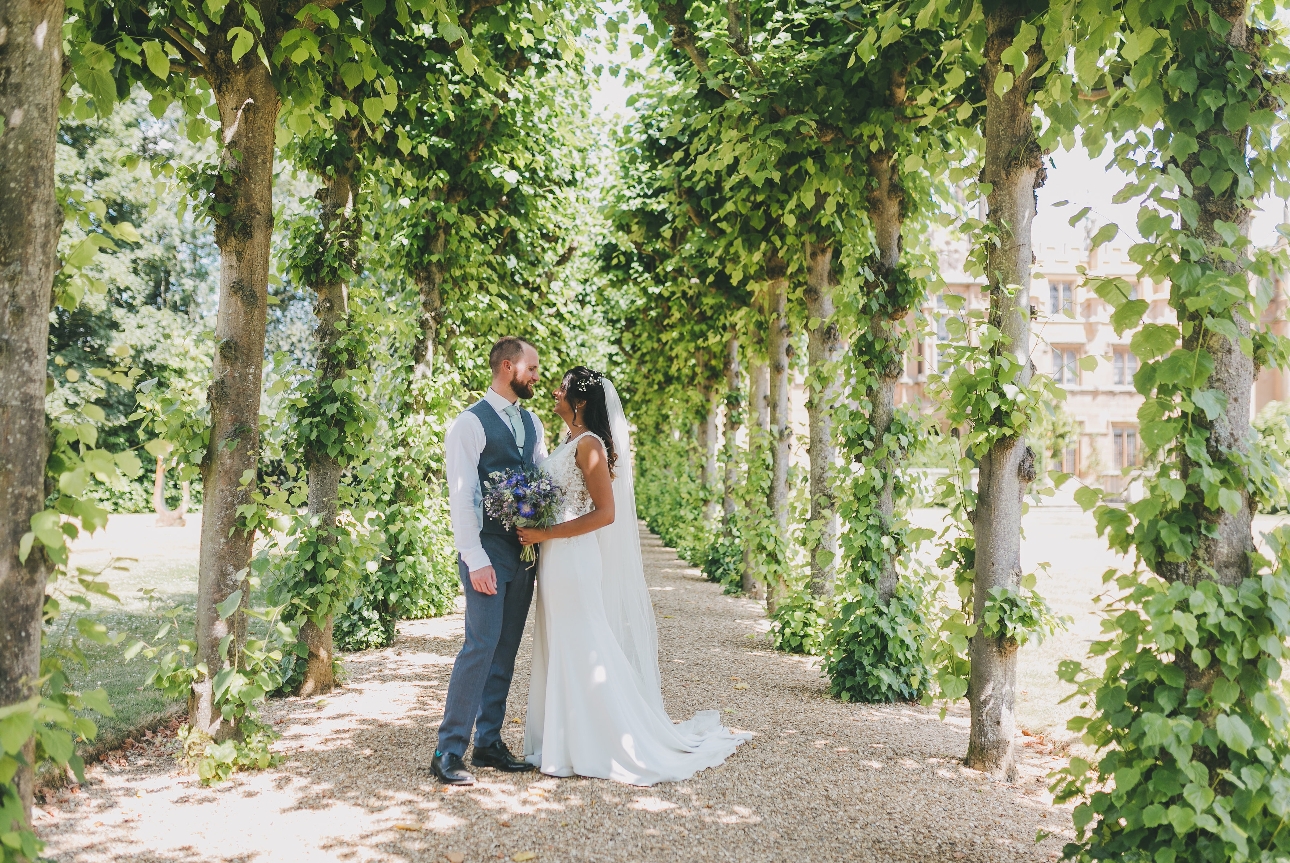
[(524, 497)]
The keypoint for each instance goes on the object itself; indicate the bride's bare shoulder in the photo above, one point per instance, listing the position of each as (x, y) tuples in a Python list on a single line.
[(588, 444)]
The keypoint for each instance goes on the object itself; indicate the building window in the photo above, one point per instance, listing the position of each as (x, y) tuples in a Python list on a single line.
[(1125, 364), (1061, 297), (1125, 443), (1070, 458), (1066, 366)]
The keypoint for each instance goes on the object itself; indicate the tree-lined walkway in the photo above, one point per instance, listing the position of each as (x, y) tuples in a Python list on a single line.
[(821, 780)]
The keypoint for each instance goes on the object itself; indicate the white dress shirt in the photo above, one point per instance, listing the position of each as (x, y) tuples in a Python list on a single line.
[(463, 445)]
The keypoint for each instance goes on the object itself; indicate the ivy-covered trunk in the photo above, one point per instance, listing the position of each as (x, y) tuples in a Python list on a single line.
[(824, 348), (31, 68), (1202, 649), (734, 419), (1013, 170), (781, 432), (429, 279), (759, 436), (248, 107), (708, 445), (886, 214), (1223, 550), (323, 455)]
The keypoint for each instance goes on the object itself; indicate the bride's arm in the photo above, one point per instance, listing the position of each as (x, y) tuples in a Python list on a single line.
[(600, 485)]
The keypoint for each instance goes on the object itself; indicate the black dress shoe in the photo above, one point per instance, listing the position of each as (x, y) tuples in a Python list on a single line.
[(497, 756), (450, 769)]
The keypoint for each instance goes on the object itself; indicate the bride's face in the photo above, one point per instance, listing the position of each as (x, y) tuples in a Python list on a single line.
[(563, 409)]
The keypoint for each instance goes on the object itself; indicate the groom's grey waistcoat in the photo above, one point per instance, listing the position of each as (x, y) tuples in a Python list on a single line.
[(501, 454)]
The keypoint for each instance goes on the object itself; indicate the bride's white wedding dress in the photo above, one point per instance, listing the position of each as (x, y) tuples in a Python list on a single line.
[(594, 708)]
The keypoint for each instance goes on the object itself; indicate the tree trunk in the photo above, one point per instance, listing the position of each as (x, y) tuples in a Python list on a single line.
[(248, 106), (1222, 555), (430, 284), (31, 68), (886, 213), (1013, 168), (166, 517), (331, 309), (824, 348), (758, 437), (708, 441), (781, 430), (734, 419)]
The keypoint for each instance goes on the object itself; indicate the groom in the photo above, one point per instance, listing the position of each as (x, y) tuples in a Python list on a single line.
[(494, 434)]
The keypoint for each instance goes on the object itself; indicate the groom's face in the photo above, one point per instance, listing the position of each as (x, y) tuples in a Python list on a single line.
[(524, 373)]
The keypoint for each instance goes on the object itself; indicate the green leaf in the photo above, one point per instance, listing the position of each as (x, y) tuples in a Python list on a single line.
[(1229, 500), (1079, 217), (466, 58), (374, 108), (16, 728), (351, 74), (58, 744), (1225, 692), (1087, 497), (1105, 234), (128, 463), (243, 41), (93, 630), (24, 545), (1233, 731), (1128, 316), (1154, 340), (97, 700), (1212, 402), (229, 605), (158, 62)]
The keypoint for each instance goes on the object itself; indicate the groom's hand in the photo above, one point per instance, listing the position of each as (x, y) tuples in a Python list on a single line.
[(484, 581)]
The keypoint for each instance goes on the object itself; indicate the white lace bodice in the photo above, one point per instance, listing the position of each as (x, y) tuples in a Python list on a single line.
[(562, 467)]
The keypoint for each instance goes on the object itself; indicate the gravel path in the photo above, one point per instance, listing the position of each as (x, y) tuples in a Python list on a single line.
[(821, 781)]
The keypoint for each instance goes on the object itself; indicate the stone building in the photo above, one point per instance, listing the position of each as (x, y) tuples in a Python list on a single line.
[(1071, 323)]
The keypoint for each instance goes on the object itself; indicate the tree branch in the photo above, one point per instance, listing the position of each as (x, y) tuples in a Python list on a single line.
[(188, 46), (683, 38), (465, 18), (293, 8), (738, 42)]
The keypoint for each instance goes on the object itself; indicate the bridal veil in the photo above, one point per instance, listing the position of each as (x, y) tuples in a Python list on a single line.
[(627, 601)]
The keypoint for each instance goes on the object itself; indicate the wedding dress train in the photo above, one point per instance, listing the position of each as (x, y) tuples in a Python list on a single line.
[(595, 708)]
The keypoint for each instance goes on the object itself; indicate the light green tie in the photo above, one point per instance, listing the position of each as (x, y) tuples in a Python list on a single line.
[(517, 425)]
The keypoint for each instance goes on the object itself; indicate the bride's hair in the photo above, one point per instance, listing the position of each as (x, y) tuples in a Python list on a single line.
[(584, 389)]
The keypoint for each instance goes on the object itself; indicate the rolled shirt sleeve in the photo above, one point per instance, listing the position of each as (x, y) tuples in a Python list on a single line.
[(539, 445), (462, 447)]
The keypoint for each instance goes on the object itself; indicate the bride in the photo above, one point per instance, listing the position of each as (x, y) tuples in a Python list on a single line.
[(595, 699)]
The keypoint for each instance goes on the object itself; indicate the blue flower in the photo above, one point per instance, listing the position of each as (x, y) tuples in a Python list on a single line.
[(527, 510)]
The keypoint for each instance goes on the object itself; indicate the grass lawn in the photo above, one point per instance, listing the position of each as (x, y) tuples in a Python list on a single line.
[(1064, 537), (165, 559)]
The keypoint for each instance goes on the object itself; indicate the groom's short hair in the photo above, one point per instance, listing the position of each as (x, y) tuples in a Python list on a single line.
[(506, 348)]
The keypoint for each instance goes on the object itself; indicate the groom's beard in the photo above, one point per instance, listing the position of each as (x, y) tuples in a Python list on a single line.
[(523, 391)]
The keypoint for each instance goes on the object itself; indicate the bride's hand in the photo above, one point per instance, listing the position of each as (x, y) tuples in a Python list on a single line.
[(531, 535)]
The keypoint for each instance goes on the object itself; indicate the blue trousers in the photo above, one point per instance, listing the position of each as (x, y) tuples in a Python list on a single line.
[(481, 674)]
